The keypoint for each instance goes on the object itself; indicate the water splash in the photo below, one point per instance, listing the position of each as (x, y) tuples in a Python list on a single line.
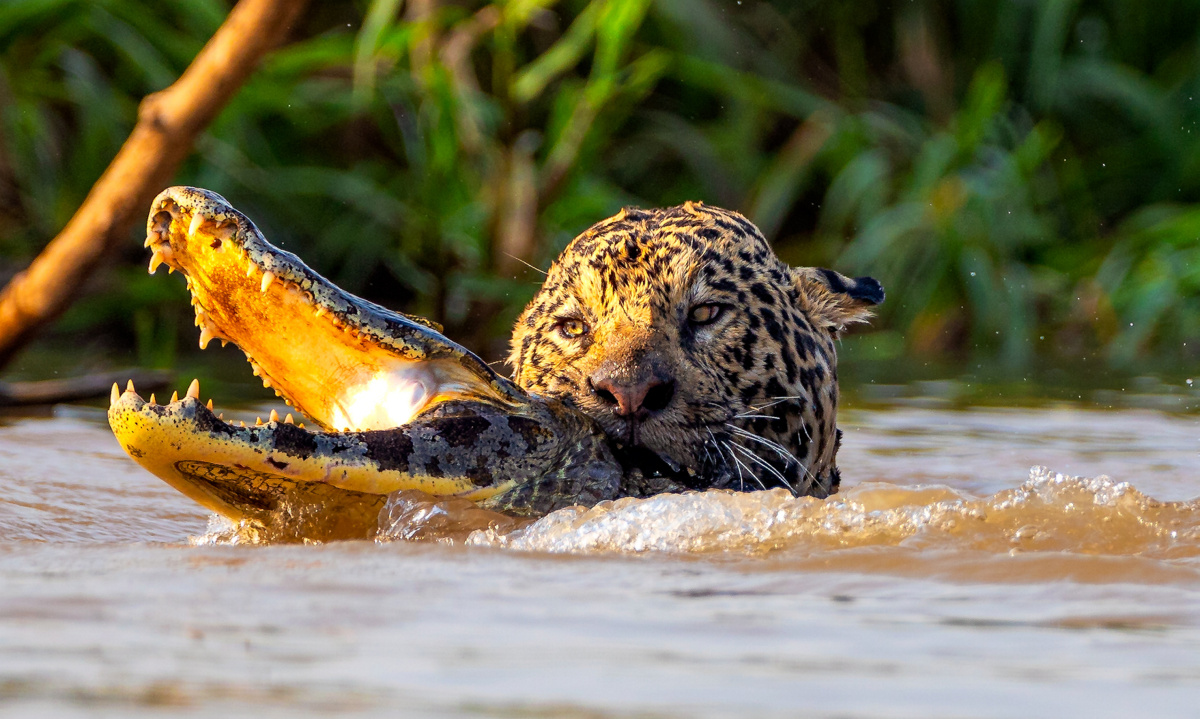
[(1049, 512), (225, 531), (412, 515)]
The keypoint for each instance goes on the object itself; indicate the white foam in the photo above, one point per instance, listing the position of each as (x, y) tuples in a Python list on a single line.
[(1049, 512)]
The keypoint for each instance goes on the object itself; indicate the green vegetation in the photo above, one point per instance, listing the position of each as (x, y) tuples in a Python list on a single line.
[(1019, 175)]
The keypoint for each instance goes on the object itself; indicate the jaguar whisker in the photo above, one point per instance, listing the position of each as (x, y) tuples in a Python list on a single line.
[(778, 448), (760, 461)]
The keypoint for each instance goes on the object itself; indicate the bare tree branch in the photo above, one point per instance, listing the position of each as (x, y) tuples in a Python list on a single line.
[(168, 122), (50, 391)]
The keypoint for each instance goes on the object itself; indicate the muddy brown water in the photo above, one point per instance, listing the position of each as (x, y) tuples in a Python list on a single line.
[(946, 579)]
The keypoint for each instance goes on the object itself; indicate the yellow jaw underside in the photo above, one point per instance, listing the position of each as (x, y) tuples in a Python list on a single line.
[(243, 475), (227, 476)]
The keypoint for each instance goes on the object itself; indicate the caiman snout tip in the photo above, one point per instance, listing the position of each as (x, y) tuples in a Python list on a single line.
[(119, 399)]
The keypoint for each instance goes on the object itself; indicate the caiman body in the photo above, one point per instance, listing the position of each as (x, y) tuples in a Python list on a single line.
[(398, 405)]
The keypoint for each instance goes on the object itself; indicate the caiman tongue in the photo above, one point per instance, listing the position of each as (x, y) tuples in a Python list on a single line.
[(346, 363)]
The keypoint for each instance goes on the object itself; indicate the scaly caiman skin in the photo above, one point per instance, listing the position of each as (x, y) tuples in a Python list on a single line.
[(399, 405)]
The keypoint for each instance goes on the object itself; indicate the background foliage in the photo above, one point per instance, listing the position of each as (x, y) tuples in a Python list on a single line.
[(1020, 175)]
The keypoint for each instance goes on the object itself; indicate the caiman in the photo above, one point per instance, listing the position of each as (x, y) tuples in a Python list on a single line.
[(396, 404)]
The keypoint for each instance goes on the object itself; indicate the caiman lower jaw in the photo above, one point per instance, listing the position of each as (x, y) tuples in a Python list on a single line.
[(289, 482), (345, 363)]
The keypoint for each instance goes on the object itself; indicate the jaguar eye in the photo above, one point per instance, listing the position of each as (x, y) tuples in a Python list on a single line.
[(705, 314), (571, 328)]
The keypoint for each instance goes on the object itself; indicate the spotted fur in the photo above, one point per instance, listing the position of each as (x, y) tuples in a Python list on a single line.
[(737, 347)]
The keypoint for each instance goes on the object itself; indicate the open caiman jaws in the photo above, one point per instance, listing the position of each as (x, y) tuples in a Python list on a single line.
[(399, 405)]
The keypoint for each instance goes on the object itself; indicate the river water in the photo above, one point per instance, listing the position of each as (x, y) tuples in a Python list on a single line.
[(947, 579)]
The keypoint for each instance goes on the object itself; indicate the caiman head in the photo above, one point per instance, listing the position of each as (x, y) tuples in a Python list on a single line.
[(397, 405)]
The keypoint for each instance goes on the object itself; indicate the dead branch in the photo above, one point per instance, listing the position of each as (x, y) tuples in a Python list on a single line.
[(168, 122), (51, 391)]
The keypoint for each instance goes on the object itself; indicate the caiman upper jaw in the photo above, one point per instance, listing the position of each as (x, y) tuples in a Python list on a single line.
[(346, 363)]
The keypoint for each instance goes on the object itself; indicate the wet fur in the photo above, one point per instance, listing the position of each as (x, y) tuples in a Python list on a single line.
[(755, 394)]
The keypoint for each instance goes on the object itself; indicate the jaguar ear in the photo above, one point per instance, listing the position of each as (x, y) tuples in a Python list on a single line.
[(834, 300)]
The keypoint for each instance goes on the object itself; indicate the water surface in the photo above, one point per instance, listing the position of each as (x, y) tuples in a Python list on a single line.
[(944, 580)]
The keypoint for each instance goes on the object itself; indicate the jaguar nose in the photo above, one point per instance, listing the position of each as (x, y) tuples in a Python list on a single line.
[(632, 398)]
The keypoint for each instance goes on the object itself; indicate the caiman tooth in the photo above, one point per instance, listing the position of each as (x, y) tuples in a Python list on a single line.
[(197, 221), (206, 336), (224, 342), (221, 416), (243, 424), (258, 421), (320, 311), (207, 331), (194, 389), (156, 259), (152, 238), (174, 397), (209, 405), (129, 387), (288, 419), (116, 395), (274, 416), (267, 279), (152, 399), (250, 269)]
